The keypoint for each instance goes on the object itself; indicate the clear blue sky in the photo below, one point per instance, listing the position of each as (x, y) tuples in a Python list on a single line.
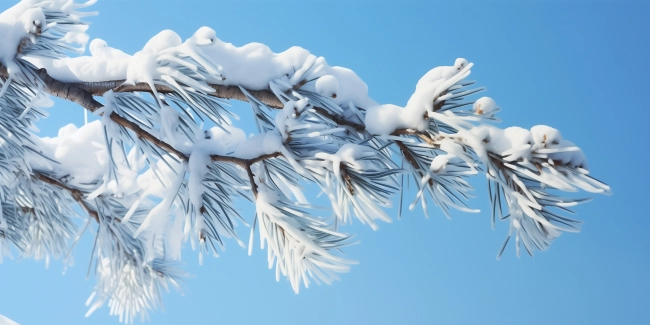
[(581, 67)]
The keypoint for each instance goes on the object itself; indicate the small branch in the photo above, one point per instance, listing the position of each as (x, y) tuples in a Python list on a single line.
[(82, 92), (251, 179), (142, 134), (340, 120), (76, 194), (68, 91), (264, 157), (246, 164), (220, 91), (233, 92)]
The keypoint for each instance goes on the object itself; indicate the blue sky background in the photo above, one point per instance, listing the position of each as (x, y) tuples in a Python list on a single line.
[(581, 67)]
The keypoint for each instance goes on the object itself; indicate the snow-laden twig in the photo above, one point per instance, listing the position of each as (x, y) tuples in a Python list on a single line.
[(299, 245)]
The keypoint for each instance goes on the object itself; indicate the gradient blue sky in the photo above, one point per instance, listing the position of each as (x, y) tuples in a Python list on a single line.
[(581, 67)]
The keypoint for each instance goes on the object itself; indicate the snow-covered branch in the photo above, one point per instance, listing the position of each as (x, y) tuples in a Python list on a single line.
[(165, 163)]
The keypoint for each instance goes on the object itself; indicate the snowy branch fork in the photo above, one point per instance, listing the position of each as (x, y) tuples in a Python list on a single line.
[(82, 94)]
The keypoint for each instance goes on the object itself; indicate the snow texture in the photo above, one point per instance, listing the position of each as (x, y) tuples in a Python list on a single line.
[(80, 153)]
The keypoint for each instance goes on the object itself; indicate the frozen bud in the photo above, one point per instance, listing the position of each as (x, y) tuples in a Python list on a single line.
[(485, 106)]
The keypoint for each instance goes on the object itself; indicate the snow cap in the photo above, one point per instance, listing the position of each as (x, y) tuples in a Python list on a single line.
[(162, 41), (545, 136), (33, 20), (204, 36), (485, 105), (460, 63)]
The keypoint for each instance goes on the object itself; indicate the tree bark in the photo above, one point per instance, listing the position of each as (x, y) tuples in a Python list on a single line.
[(82, 92)]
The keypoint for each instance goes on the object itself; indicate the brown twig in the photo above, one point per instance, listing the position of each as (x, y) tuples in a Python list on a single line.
[(142, 134), (340, 120), (76, 194), (347, 179), (246, 165), (251, 179)]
